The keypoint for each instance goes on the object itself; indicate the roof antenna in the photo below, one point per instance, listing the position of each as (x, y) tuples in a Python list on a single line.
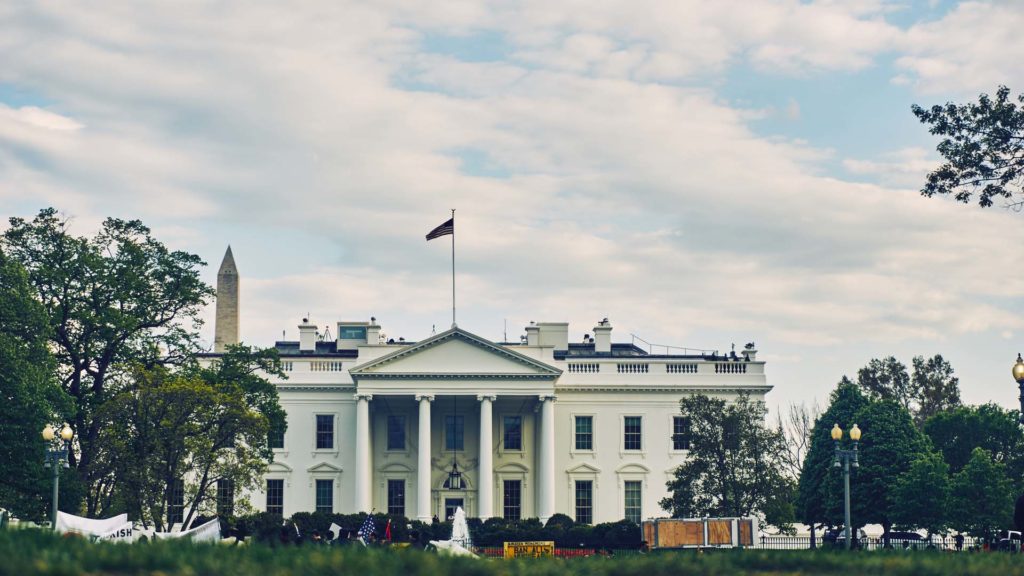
[(504, 337)]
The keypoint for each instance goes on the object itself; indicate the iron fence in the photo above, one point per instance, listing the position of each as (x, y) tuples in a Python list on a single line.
[(949, 543)]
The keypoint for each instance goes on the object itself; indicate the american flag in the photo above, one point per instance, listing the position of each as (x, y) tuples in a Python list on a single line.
[(442, 230), (367, 529)]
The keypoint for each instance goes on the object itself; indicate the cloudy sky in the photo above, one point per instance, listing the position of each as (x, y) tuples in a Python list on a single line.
[(701, 173)]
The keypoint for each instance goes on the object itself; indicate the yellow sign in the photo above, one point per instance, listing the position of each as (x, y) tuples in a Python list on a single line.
[(529, 549)]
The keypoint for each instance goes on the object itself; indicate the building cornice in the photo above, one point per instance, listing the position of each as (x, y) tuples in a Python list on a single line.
[(762, 389)]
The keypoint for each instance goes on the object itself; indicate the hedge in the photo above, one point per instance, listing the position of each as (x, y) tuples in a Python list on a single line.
[(566, 533), (29, 551)]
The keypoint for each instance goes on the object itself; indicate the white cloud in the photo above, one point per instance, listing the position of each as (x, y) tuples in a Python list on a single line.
[(626, 186), (974, 48)]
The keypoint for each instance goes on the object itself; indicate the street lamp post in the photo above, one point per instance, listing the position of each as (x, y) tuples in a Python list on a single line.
[(846, 458), (1018, 375), (57, 458)]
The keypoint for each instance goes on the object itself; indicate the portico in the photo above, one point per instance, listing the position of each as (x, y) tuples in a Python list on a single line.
[(463, 391)]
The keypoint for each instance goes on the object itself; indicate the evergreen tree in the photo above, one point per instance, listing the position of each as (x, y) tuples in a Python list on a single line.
[(817, 477), (889, 444)]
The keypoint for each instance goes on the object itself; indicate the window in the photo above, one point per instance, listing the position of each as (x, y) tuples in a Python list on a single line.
[(585, 501), (513, 433), (396, 497), (452, 504), (632, 427), (453, 428), (176, 507), (680, 433), (324, 431), (275, 497), (325, 496), (396, 432), (275, 438), (225, 497), (634, 491), (352, 333), (584, 432), (513, 497)]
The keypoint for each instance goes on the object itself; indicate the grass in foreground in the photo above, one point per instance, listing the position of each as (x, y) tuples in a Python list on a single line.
[(24, 552)]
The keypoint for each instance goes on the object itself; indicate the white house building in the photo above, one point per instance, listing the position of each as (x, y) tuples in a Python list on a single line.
[(521, 429)]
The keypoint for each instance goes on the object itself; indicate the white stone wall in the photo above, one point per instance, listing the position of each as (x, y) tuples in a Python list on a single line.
[(607, 395)]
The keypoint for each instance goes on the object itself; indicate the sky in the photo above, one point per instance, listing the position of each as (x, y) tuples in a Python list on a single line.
[(701, 173)]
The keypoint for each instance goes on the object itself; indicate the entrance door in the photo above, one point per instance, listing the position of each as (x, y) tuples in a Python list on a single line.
[(450, 504)]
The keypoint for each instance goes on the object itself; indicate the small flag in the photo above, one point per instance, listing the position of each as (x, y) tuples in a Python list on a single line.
[(387, 531), (367, 529), (442, 230), (335, 531)]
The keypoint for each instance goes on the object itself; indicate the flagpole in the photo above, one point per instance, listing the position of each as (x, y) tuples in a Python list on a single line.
[(453, 267)]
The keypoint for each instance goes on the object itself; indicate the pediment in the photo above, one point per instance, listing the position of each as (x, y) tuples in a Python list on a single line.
[(279, 467), (583, 468), (633, 468), (455, 353), (324, 468)]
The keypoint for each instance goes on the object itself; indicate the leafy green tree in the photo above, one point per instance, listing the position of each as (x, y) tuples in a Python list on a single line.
[(197, 427), (886, 379), (735, 463), (29, 395), (957, 432), (112, 301), (818, 481), (920, 498), (983, 147), (982, 496), (930, 389), (935, 388), (890, 443)]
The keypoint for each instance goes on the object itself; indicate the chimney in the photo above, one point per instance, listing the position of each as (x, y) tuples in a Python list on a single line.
[(307, 336), (373, 332), (603, 337), (532, 335), (749, 352), (554, 334)]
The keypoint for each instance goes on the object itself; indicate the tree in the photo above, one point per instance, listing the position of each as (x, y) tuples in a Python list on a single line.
[(957, 432), (189, 430), (797, 429), (889, 444), (112, 301), (934, 386), (886, 379), (983, 147), (735, 464), (920, 498), (982, 496), (29, 395), (931, 388), (818, 481)]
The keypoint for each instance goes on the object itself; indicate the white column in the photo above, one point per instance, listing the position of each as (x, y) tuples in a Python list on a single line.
[(485, 508), (423, 460), (546, 459), (364, 469)]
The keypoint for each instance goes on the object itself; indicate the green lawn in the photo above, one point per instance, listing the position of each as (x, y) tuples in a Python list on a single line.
[(24, 552)]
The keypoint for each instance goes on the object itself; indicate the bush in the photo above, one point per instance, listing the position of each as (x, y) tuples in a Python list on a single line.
[(39, 552)]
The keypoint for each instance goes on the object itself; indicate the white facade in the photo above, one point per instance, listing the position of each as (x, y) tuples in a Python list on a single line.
[(355, 387)]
